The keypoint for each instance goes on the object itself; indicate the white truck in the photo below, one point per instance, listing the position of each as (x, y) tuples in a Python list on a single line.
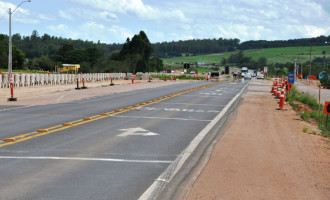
[(244, 71)]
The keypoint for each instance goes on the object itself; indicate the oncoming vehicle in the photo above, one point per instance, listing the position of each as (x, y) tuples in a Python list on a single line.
[(247, 76), (215, 75), (244, 71), (260, 76)]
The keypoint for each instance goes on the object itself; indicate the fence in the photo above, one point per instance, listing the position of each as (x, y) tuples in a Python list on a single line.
[(27, 79)]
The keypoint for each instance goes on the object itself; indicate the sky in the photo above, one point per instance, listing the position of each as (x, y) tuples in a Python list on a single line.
[(112, 21)]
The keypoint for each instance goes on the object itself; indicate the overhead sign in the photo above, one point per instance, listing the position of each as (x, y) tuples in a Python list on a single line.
[(326, 108), (136, 131), (291, 78)]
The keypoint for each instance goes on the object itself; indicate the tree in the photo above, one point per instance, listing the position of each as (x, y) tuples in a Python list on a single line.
[(18, 58), (262, 61), (42, 63), (223, 61), (18, 55), (155, 65), (136, 52)]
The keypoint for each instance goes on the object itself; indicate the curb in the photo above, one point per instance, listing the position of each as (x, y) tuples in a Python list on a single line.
[(177, 171)]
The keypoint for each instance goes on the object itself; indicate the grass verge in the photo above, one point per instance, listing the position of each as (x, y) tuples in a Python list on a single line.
[(314, 112)]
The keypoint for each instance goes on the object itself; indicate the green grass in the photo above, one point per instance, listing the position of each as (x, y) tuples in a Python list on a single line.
[(320, 117), (200, 70), (273, 55), (24, 71)]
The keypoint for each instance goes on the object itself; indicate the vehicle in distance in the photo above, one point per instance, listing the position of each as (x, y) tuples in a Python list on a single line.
[(244, 71), (247, 76), (260, 76), (215, 75)]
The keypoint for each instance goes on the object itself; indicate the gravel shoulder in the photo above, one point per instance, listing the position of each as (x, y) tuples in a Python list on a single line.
[(264, 154)]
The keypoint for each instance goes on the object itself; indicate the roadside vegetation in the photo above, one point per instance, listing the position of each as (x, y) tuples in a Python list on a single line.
[(273, 55), (138, 54), (309, 109)]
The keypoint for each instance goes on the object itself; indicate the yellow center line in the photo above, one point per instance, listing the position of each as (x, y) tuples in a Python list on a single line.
[(60, 127)]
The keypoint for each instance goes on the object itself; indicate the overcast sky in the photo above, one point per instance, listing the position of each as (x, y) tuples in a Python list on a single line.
[(112, 21)]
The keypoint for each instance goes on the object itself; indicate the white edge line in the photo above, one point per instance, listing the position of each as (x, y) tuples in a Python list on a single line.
[(86, 159), (188, 151)]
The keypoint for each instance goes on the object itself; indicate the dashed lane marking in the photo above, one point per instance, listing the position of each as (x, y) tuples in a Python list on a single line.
[(169, 118), (195, 104), (86, 159), (67, 125)]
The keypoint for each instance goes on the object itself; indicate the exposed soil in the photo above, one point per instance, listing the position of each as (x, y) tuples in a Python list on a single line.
[(265, 154), (302, 107)]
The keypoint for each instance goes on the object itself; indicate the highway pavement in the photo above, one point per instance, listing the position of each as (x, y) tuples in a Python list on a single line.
[(112, 147)]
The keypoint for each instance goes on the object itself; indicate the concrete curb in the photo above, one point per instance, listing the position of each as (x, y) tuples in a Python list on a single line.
[(180, 169)]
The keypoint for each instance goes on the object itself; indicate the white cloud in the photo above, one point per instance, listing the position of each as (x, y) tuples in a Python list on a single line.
[(109, 16), (65, 15), (87, 14), (92, 31), (136, 7), (19, 13), (45, 17)]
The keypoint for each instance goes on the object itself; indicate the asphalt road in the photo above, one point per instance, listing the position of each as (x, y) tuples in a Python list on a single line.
[(117, 156)]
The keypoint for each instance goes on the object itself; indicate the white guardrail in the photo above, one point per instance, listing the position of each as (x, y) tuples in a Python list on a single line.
[(28, 79)]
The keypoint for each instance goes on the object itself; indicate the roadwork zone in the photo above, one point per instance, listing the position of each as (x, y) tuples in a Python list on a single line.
[(67, 125)]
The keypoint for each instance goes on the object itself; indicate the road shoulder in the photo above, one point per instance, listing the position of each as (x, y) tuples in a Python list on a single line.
[(264, 154)]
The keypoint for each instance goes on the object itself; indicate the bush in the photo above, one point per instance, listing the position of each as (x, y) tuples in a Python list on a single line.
[(312, 103), (325, 81)]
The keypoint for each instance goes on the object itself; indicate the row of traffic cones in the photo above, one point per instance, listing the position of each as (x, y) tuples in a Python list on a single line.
[(279, 89)]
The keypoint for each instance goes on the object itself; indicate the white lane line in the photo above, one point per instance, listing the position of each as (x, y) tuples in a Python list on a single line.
[(192, 104), (86, 159), (176, 165), (16, 108), (205, 96), (144, 117)]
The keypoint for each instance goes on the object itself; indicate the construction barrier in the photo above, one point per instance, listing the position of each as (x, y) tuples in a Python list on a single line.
[(28, 79)]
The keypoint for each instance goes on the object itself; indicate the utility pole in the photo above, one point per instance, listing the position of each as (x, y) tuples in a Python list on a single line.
[(310, 63), (295, 68)]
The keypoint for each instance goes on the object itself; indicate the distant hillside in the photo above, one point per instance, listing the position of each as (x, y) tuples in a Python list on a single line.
[(210, 46), (36, 46), (273, 55)]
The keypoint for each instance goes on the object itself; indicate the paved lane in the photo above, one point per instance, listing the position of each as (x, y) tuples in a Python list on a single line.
[(116, 157)]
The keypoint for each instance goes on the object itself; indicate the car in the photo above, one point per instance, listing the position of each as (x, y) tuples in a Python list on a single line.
[(247, 76), (260, 76)]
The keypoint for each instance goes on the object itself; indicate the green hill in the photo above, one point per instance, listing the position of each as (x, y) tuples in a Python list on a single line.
[(273, 55)]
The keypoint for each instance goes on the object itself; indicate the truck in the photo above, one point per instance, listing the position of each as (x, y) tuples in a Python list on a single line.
[(244, 71)]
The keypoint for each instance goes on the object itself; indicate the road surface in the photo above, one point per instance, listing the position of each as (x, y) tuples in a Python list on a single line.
[(121, 146)]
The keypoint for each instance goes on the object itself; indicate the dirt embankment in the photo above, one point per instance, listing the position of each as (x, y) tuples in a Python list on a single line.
[(264, 154)]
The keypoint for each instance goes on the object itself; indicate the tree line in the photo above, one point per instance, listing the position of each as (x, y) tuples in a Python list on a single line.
[(136, 54)]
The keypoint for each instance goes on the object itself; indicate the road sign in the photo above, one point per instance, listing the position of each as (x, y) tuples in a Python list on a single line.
[(326, 108), (136, 131), (291, 78)]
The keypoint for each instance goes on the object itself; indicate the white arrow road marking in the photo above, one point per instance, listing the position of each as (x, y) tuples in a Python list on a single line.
[(136, 131)]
